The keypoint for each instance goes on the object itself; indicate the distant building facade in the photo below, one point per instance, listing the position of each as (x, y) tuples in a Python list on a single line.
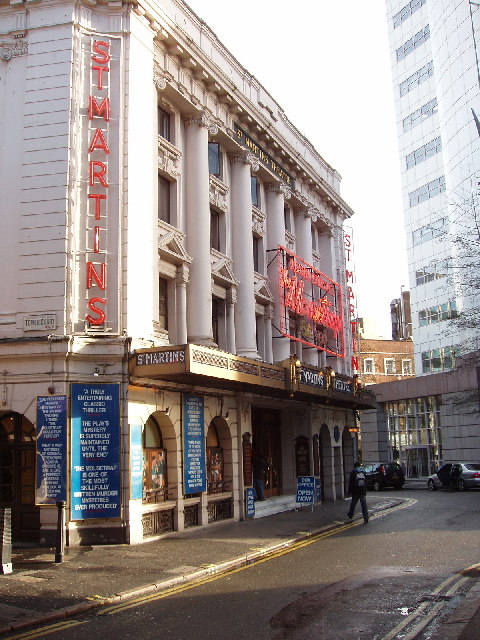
[(385, 360)]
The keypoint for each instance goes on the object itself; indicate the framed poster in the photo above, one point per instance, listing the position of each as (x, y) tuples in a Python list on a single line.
[(51, 463), (136, 462), (195, 477), (95, 451)]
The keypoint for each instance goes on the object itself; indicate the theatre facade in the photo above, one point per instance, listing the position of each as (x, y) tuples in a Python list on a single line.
[(177, 293)]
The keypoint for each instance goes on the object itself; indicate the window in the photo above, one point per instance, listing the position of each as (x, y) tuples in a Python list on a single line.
[(423, 153), (163, 124), (368, 365), (214, 229), (287, 219), (413, 43), (389, 366), (215, 319), (427, 274), (407, 367), (163, 199), (406, 11), (314, 239), (430, 231), (163, 303), (257, 254), (214, 159), (419, 115), (255, 191), (438, 359), (154, 463), (416, 79), (428, 191), (438, 313)]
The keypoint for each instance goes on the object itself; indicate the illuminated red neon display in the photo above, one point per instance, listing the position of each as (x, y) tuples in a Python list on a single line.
[(310, 301), (352, 307), (98, 151)]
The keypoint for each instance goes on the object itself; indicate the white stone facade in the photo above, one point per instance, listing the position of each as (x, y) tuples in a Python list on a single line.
[(147, 182)]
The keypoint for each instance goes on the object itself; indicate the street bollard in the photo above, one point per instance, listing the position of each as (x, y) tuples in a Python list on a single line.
[(60, 546), (6, 540)]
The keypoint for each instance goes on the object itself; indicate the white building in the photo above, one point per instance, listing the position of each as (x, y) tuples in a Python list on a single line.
[(434, 53), (174, 292)]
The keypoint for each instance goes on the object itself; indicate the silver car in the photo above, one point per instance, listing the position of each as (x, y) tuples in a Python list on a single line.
[(456, 475)]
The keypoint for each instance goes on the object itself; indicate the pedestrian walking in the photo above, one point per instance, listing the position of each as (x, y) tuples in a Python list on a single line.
[(260, 467), (357, 487)]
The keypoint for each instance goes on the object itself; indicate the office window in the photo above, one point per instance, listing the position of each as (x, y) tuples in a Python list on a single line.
[(163, 124), (407, 367), (430, 231), (419, 115), (406, 12), (389, 366), (427, 274), (427, 191), (438, 359), (438, 313), (423, 153), (214, 229), (254, 185), (369, 365), (413, 43), (423, 74), (163, 199), (163, 303), (214, 159)]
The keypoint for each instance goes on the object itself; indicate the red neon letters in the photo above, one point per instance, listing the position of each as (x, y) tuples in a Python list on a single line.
[(98, 150)]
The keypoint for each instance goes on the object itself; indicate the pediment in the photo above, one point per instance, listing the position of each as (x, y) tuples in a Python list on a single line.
[(170, 245), (262, 291), (222, 270)]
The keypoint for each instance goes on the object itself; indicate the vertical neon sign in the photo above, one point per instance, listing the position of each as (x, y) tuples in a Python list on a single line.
[(98, 151), (352, 304)]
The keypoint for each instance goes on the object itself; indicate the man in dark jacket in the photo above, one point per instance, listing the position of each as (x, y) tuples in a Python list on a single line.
[(357, 487)]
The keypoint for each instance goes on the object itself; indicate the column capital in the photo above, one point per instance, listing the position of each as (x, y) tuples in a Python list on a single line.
[(281, 188), (246, 158), (201, 119), (159, 80), (309, 212), (182, 274)]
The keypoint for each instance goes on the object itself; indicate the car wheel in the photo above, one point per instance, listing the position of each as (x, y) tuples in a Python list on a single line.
[(377, 486), (461, 485), (431, 485)]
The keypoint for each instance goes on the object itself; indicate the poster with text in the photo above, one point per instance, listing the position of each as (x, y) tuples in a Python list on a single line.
[(51, 479), (136, 462), (95, 451), (195, 477)]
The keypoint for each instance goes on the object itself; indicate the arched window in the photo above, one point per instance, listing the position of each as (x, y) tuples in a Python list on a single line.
[(154, 463), (214, 461)]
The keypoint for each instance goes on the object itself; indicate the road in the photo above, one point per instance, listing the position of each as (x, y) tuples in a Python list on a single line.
[(390, 576)]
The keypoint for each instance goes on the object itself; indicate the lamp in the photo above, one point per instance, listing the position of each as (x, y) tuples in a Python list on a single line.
[(96, 372), (329, 377)]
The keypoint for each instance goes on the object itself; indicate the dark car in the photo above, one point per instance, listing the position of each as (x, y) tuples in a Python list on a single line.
[(456, 475), (384, 474)]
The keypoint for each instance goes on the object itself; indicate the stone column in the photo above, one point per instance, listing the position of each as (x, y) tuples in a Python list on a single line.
[(276, 194), (230, 312), (197, 205), (303, 233), (181, 304), (268, 333), (242, 238)]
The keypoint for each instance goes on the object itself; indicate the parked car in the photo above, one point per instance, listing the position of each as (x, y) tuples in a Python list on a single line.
[(456, 475), (384, 474)]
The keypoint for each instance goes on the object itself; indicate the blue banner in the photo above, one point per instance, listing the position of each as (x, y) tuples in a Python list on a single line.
[(305, 489), (51, 481), (250, 502), (95, 451), (195, 477), (136, 462)]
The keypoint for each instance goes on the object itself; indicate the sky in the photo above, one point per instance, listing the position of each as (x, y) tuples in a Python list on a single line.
[(327, 65)]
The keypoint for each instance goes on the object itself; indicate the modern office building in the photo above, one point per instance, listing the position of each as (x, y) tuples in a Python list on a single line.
[(174, 288), (434, 47)]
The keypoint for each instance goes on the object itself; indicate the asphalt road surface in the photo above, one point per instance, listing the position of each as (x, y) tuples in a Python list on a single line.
[(399, 574)]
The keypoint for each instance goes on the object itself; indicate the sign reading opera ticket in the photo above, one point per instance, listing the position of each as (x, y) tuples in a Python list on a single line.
[(95, 451)]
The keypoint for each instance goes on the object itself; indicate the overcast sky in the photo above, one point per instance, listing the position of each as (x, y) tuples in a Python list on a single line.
[(327, 64)]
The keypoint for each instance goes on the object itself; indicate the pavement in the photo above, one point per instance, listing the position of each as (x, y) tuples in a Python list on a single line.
[(40, 590)]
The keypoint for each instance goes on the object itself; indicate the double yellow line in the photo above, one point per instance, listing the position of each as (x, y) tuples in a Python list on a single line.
[(269, 555)]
